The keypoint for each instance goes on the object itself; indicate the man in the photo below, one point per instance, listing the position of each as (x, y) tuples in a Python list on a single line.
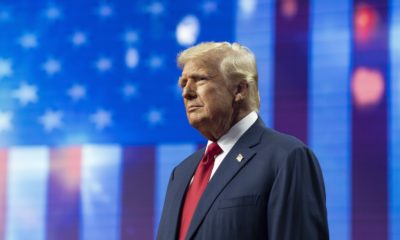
[(250, 182)]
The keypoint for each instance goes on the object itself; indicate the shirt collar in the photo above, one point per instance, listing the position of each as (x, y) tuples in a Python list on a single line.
[(227, 141)]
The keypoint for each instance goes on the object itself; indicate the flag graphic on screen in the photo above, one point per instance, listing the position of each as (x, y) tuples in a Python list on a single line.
[(91, 115), (84, 192), (92, 121)]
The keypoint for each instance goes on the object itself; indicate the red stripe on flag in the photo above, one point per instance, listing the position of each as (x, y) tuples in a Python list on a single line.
[(3, 191), (138, 193), (63, 217)]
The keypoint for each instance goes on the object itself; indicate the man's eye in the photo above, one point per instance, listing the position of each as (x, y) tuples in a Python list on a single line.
[(182, 84)]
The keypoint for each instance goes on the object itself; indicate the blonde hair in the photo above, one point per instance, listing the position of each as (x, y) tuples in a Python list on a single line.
[(236, 63)]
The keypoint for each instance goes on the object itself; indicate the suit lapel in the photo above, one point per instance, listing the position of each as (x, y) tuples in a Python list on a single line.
[(182, 177), (226, 171)]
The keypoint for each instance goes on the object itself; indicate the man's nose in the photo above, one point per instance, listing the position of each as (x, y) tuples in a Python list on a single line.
[(189, 91)]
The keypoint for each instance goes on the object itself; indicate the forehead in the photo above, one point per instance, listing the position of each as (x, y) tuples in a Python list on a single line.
[(200, 66)]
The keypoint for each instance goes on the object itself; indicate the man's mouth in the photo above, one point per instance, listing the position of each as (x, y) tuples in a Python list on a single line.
[(193, 108)]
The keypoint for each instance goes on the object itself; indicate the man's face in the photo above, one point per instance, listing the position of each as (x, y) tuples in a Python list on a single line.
[(208, 98)]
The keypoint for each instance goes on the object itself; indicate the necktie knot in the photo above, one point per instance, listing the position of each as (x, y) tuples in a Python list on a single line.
[(213, 150)]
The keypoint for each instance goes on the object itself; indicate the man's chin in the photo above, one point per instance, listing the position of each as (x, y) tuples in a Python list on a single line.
[(195, 121)]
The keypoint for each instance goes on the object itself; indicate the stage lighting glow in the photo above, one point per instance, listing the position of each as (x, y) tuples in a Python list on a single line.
[(289, 8), (367, 87), (365, 21), (188, 30), (131, 58)]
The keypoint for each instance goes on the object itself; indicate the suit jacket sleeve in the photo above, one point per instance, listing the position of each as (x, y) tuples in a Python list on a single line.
[(163, 229), (296, 206)]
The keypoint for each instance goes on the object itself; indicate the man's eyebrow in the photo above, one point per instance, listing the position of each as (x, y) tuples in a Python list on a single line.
[(196, 75)]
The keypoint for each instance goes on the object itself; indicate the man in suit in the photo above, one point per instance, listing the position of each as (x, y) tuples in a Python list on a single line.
[(250, 182)]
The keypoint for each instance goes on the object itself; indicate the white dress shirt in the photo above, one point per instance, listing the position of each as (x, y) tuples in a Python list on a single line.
[(227, 141)]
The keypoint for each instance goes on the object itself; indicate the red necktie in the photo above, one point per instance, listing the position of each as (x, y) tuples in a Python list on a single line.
[(196, 189)]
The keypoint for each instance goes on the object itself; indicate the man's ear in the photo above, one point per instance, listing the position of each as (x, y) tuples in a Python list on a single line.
[(241, 91)]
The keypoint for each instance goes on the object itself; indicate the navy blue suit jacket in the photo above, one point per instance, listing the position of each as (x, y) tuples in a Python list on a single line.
[(276, 192)]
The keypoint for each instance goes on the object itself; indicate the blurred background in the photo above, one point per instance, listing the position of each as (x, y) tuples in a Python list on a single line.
[(92, 121)]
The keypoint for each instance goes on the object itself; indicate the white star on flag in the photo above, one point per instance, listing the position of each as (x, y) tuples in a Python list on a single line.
[(131, 37), (28, 41), (129, 90), (53, 13), (154, 117), (209, 7), (51, 66), (26, 94), (5, 68), (51, 120), (103, 64), (5, 121), (79, 38), (77, 92), (155, 8), (155, 62), (101, 118), (105, 10)]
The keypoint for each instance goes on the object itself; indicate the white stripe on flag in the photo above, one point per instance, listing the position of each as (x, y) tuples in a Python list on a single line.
[(27, 193), (167, 157), (100, 192), (329, 115), (260, 39), (394, 124)]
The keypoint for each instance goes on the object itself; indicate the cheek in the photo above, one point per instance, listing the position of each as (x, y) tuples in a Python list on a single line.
[(209, 95), (214, 100), (223, 100)]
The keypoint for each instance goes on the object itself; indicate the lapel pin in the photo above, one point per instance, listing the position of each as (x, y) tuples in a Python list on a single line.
[(239, 157)]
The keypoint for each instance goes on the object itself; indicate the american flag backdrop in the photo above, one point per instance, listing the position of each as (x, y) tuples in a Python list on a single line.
[(92, 121)]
